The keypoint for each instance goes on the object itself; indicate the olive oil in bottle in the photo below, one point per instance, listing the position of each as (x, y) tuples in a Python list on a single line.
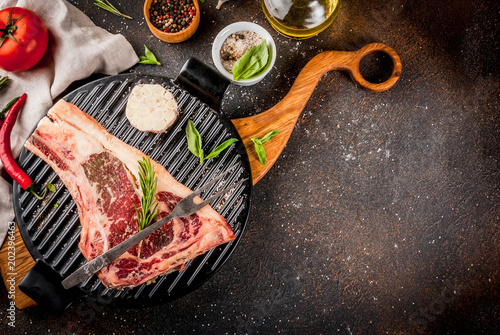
[(300, 18)]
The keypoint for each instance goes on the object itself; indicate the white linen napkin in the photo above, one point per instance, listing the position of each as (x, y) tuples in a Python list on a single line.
[(77, 48)]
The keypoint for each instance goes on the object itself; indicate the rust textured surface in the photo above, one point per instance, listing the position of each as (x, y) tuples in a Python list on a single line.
[(382, 214)]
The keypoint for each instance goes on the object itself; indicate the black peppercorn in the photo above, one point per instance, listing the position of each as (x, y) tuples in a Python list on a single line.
[(173, 15)]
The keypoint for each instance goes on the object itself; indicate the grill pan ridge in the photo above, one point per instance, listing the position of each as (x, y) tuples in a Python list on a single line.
[(52, 232)]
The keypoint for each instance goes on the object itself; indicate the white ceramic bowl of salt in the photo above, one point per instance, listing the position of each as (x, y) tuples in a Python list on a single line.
[(236, 28)]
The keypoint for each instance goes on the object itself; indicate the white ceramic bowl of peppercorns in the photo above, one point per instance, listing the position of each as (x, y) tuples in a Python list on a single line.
[(172, 21), (244, 52)]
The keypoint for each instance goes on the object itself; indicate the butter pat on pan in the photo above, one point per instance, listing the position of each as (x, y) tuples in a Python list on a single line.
[(151, 107)]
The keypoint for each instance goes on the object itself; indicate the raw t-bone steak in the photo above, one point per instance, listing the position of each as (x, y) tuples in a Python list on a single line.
[(101, 173)]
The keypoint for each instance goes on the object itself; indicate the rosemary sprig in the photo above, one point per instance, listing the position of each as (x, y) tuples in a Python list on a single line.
[(106, 5), (148, 182), (4, 81)]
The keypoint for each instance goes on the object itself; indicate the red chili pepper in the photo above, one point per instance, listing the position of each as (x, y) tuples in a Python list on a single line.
[(8, 161)]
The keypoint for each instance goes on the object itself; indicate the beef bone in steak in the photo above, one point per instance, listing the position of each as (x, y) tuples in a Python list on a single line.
[(101, 173)]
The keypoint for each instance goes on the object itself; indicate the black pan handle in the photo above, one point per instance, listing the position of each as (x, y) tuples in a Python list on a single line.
[(43, 285), (203, 82)]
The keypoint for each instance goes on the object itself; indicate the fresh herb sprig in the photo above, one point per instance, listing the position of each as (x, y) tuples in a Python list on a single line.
[(149, 57), (148, 182), (106, 5), (259, 147), (4, 81), (7, 108), (252, 63), (195, 143)]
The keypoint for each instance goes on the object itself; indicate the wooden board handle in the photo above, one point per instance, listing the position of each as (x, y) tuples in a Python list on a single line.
[(284, 114)]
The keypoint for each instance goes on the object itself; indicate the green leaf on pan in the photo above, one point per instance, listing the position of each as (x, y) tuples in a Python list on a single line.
[(223, 146), (195, 143), (194, 140)]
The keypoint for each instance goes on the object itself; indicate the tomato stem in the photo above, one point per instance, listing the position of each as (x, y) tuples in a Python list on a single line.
[(10, 29)]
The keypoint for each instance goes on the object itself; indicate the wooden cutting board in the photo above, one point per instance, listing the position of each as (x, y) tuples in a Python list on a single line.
[(17, 269), (282, 116)]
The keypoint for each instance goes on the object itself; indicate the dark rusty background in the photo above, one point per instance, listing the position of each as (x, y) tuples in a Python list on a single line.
[(382, 214)]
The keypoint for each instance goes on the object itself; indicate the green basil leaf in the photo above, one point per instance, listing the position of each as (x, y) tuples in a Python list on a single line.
[(194, 140), (259, 148), (260, 59), (148, 61), (223, 146), (253, 65), (252, 62), (150, 58), (256, 140), (241, 64), (148, 53), (268, 62), (270, 135)]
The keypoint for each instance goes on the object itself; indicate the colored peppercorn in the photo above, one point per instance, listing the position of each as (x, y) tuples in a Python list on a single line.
[(172, 16)]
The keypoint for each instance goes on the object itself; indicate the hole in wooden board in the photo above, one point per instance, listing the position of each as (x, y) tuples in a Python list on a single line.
[(376, 67)]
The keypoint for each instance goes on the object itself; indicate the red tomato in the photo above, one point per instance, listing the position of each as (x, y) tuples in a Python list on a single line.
[(30, 32)]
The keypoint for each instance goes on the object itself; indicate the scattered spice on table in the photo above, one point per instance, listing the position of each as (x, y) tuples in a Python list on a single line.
[(172, 16), (236, 45)]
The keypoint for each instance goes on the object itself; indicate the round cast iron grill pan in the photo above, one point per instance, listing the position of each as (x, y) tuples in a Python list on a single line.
[(51, 229)]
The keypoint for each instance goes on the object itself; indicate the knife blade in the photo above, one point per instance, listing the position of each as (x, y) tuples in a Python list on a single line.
[(104, 259)]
